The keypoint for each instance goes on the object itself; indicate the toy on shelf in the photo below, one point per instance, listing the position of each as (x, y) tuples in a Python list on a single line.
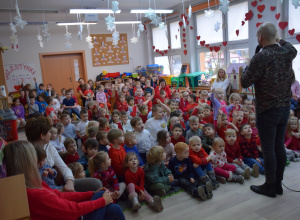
[(155, 69), (141, 71), (126, 75)]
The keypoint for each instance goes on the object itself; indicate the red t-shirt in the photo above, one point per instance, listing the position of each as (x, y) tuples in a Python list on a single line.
[(180, 139), (139, 100), (233, 151), (221, 132), (207, 101), (117, 157), (49, 110), (138, 179), (144, 117), (210, 119), (71, 158), (191, 106)]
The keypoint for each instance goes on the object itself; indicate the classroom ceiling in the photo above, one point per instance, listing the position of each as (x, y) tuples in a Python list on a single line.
[(63, 7)]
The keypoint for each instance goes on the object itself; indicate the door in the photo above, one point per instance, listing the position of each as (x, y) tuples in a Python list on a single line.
[(63, 70)]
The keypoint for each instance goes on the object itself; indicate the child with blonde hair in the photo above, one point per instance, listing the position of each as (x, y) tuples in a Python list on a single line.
[(158, 178), (56, 141), (130, 146), (223, 125), (182, 168), (77, 170), (235, 99), (238, 119), (71, 147), (89, 125), (164, 140), (247, 111), (252, 123), (135, 180), (220, 165), (204, 98), (292, 136), (100, 168)]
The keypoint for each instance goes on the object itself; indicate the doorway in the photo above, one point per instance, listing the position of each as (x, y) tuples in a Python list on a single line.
[(63, 69)]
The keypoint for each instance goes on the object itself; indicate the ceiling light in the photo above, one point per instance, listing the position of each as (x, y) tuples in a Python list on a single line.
[(158, 11), (127, 22), (30, 10), (92, 11), (74, 23)]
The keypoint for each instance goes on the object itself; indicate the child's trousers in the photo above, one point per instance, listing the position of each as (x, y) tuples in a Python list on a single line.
[(187, 185), (199, 169), (224, 170), (251, 161), (240, 169), (131, 190), (158, 186)]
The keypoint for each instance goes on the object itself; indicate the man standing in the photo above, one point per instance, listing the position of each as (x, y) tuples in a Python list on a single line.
[(271, 73)]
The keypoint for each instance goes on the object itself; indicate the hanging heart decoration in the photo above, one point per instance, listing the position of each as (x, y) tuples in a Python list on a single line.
[(202, 43), (243, 22), (184, 45), (180, 23), (153, 47), (216, 49), (237, 32), (248, 15), (277, 16), (258, 24), (259, 16), (185, 52), (291, 32), (272, 8), (224, 43), (211, 49), (183, 34), (261, 8), (184, 40), (183, 29), (157, 50), (283, 24), (254, 4), (207, 45), (198, 37), (298, 37), (191, 27)]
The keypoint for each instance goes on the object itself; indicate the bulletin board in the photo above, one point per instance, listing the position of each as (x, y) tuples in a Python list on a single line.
[(106, 54)]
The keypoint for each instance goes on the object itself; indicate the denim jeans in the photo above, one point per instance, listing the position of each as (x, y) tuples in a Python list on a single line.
[(199, 169), (271, 125), (251, 161), (110, 212), (73, 110), (294, 104)]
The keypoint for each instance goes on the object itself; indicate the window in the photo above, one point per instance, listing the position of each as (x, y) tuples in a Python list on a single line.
[(209, 61), (237, 13), (175, 35), (294, 18), (172, 64), (239, 55), (205, 28), (296, 63), (164, 61), (160, 40), (176, 65)]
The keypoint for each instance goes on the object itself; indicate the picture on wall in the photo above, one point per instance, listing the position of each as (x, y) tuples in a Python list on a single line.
[(105, 53)]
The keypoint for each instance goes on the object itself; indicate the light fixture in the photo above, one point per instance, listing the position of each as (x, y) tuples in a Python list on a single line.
[(74, 23), (30, 10), (92, 11), (158, 11), (127, 22)]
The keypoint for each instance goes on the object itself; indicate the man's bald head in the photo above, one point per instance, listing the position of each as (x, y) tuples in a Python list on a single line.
[(267, 31)]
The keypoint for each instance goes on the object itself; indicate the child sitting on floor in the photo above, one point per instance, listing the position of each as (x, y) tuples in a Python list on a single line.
[(207, 115), (71, 147), (223, 125), (135, 180), (57, 140), (115, 124), (130, 145), (126, 126), (90, 149), (77, 170), (182, 168), (195, 130), (164, 140), (177, 132), (69, 128), (19, 111), (101, 137), (209, 136)]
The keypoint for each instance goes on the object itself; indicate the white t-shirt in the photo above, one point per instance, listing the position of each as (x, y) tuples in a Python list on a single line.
[(143, 141), (81, 127), (127, 127), (154, 126), (56, 104), (60, 147), (221, 84)]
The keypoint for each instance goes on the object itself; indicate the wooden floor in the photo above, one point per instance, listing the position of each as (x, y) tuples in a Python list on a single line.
[(230, 201)]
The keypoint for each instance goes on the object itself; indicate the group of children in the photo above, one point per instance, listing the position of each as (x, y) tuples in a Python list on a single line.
[(136, 138)]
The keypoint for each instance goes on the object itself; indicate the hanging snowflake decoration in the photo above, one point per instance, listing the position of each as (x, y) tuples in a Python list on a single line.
[(115, 6), (41, 44), (217, 26), (156, 20), (91, 45), (68, 36), (141, 27), (115, 38), (138, 33), (190, 11), (296, 3), (161, 25), (209, 13), (88, 39), (46, 35), (68, 45), (150, 14), (13, 27), (18, 19), (39, 37), (110, 22), (224, 6), (14, 42), (79, 34), (134, 40)]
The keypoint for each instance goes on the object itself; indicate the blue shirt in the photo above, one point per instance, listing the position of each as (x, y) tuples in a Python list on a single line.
[(181, 169), (69, 102), (103, 148), (42, 107), (39, 91), (134, 150), (69, 131), (50, 178)]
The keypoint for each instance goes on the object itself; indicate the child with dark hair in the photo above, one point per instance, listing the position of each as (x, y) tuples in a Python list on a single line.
[(71, 147), (90, 149), (177, 136), (132, 108), (116, 123), (164, 140), (101, 137), (103, 124), (69, 104), (192, 102), (40, 89), (19, 111), (209, 135), (42, 104)]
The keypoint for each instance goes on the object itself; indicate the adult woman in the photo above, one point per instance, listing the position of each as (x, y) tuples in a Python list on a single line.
[(37, 131), (46, 203), (162, 86), (80, 90), (221, 81)]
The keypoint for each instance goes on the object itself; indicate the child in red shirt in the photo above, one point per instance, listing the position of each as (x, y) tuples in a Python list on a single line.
[(143, 112), (139, 99), (121, 103), (177, 136), (204, 98), (117, 152), (208, 116), (192, 102), (50, 111), (149, 98), (184, 102), (247, 111), (162, 97), (199, 112), (135, 180), (88, 93), (103, 124), (223, 125), (131, 106), (71, 147)]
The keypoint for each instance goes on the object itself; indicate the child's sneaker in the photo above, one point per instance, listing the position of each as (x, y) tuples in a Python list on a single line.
[(135, 202), (246, 173), (212, 177), (221, 179), (160, 192), (201, 193), (156, 204), (296, 159), (255, 170), (237, 178), (209, 188)]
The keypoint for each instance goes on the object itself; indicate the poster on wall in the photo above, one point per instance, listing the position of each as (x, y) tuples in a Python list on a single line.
[(106, 54), (15, 73)]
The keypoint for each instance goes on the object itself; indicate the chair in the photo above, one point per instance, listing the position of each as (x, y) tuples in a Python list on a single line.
[(178, 80)]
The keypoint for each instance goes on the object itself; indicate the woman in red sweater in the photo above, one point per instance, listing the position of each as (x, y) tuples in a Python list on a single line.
[(162, 86), (47, 203)]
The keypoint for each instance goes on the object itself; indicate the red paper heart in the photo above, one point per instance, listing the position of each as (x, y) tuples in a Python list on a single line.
[(184, 45), (298, 37), (207, 45), (183, 29), (153, 47), (183, 34), (273, 8), (185, 52), (243, 22), (162, 54), (283, 24), (211, 49), (17, 87), (254, 3), (202, 43), (176, 37), (157, 50), (166, 51), (169, 47), (237, 32), (224, 43), (180, 23), (187, 22), (291, 32), (261, 8), (248, 15), (217, 49), (258, 24), (191, 27), (198, 37), (184, 40), (145, 27), (277, 16), (259, 16)]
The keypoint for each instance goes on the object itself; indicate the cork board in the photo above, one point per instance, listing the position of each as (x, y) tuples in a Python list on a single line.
[(106, 54)]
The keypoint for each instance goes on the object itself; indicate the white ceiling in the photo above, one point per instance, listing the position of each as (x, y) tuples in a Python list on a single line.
[(64, 5)]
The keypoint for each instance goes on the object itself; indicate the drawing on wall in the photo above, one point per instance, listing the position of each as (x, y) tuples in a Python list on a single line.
[(14, 73), (106, 54)]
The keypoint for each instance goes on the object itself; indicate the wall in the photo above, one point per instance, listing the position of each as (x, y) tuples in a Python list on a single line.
[(29, 48)]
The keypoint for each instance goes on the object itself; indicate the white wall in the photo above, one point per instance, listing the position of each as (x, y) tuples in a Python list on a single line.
[(29, 48)]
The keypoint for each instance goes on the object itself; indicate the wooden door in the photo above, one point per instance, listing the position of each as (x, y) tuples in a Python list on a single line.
[(62, 70)]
